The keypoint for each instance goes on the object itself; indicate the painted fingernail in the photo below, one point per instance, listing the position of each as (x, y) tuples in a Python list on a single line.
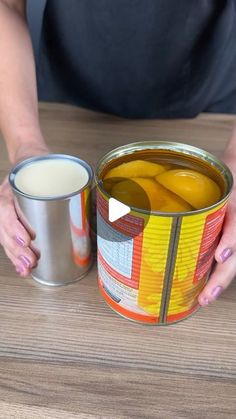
[(20, 241), (19, 270), (226, 254), (217, 291), (25, 261), (205, 301)]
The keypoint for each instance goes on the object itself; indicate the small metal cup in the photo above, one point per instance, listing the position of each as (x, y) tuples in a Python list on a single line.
[(61, 225)]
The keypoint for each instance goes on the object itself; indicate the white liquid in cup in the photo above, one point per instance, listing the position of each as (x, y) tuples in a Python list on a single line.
[(51, 178)]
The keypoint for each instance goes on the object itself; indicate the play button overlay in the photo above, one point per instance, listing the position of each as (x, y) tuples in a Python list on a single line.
[(116, 210)]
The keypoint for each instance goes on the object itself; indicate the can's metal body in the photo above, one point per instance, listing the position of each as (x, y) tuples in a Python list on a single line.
[(61, 225), (157, 275)]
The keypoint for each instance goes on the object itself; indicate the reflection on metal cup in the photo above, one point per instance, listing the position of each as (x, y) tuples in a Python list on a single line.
[(52, 197)]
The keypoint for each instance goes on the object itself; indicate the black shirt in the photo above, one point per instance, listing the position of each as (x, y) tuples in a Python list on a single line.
[(140, 58)]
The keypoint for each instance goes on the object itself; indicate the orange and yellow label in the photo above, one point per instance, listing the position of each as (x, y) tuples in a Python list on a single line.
[(156, 273)]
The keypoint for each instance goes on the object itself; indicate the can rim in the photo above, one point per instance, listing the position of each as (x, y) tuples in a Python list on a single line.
[(49, 156), (173, 146)]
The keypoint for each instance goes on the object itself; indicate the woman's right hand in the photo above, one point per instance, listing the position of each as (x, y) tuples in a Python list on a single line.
[(15, 238)]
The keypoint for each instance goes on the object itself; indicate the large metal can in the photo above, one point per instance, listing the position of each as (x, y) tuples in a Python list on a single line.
[(156, 274), (60, 221)]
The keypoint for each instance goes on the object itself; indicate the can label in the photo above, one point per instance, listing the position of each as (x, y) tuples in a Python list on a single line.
[(198, 238), (209, 241), (156, 275)]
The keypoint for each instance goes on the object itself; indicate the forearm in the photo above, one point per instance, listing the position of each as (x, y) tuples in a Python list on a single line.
[(229, 157), (230, 149), (18, 94)]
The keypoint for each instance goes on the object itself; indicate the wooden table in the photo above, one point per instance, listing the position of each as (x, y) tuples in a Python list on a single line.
[(65, 354)]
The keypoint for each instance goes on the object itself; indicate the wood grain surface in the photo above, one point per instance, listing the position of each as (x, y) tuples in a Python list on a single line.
[(65, 354)]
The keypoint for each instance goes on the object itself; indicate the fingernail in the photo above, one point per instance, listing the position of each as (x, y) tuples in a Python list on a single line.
[(25, 261), (216, 291), (20, 241), (205, 301), (19, 269), (226, 254)]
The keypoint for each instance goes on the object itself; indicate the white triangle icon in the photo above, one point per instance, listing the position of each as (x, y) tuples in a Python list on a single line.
[(116, 210)]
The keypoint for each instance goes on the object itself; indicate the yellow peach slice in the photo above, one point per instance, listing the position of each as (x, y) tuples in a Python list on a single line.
[(148, 194), (135, 168), (195, 188), (161, 199), (130, 193), (109, 183)]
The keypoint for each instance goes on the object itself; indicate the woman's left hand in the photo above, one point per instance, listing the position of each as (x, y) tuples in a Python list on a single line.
[(225, 269)]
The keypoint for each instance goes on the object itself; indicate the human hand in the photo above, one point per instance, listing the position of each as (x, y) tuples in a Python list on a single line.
[(15, 237), (225, 269)]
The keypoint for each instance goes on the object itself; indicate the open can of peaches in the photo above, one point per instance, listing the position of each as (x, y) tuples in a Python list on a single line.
[(154, 261)]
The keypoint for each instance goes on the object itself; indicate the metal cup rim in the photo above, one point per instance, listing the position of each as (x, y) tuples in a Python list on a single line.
[(49, 156)]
